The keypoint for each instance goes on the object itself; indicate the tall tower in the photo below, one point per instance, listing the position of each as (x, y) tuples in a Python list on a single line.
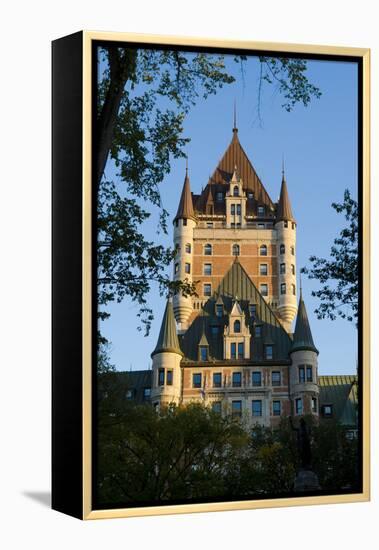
[(184, 224), (166, 362), (304, 389), (286, 249)]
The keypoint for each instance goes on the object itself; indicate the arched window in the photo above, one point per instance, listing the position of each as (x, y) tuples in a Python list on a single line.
[(236, 191), (237, 326), (282, 248), (294, 290), (263, 250), (283, 288), (293, 250), (236, 250), (208, 250), (188, 248)]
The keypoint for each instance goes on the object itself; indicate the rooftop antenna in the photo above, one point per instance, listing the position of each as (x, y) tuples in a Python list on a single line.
[(301, 287), (283, 165), (235, 117), (186, 166)]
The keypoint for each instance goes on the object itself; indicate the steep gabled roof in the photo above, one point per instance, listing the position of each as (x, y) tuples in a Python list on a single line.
[(284, 210), (237, 283), (302, 338), (185, 208), (235, 156), (168, 338)]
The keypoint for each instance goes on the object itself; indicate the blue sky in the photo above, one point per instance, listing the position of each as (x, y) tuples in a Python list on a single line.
[(319, 144)]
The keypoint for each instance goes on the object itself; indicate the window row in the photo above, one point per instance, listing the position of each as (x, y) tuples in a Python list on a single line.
[(165, 376), (235, 209), (255, 379), (208, 249), (305, 374), (219, 311), (283, 289), (283, 269), (282, 249), (256, 407), (263, 268), (299, 405), (220, 194)]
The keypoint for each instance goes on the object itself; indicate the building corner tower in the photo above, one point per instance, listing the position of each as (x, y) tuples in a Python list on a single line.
[(166, 387), (285, 226)]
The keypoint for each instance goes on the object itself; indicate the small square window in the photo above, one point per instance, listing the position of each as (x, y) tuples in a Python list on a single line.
[(207, 289), (196, 380), (237, 408), (276, 408), (146, 393), (207, 269), (263, 289), (327, 410), (256, 407), (268, 352), (209, 225), (236, 379), (217, 380), (257, 379), (276, 378), (187, 268), (263, 269)]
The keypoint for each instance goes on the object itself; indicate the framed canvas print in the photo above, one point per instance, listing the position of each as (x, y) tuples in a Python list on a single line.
[(210, 275)]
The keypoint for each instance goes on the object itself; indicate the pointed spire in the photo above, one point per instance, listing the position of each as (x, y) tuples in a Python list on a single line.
[(235, 129), (284, 210), (185, 208), (302, 339), (168, 338)]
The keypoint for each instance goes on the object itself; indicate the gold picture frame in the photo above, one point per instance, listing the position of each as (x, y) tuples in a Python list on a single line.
[(82, 47)]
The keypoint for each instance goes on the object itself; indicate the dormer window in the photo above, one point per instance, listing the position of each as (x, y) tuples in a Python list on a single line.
[(253, 310), (203, 352), (250, 195), (219, 310), (236, 191), (219, 196), (236, 250), (268, 352), (261, 210), (237, 326)]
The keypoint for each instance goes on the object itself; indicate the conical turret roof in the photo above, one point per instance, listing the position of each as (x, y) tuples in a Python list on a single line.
[(168, 338), (302, 338), (284, 210), (185, 208)]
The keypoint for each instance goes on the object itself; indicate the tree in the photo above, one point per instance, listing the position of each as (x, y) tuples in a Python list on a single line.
[(339, 274), (143, 98)]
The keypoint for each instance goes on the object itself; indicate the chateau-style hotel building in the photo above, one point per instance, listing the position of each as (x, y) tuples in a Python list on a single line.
[(233, 347)]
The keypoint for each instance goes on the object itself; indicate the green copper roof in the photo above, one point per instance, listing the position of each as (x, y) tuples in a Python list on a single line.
[(168, 338), (236, 283), (302, 338), (340, 391)]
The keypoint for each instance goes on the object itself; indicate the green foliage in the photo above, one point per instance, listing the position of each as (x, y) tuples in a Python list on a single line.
[(189, 452), (339, 274)]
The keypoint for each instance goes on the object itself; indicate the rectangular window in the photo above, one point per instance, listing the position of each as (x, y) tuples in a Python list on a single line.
[(216, 407), (129, 394), (207, 289), (263, 289), (299, 405), (268, 352), (161, 377), (283, 288), (219, 197), (232, 209), (215, 329), (207, 269), (187, 268), (309, 374), (250, 195), (236, 379), (261, 225), (184, 221), (203, 353), (209, 225), (256, 407), (217, 380), (314, 405), (327, 410), (233, 350), (257, 379), (146, 393), (292, 269), (276, 379), (263, 269), (252, 310), (301, 375), (282, 269), (258, 331), (176, 268), (188, 248), (196, 380), (238, 209), (219, 310), (276, 408), (237, 408), (169, 377), (241, 350), (261, 210)]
